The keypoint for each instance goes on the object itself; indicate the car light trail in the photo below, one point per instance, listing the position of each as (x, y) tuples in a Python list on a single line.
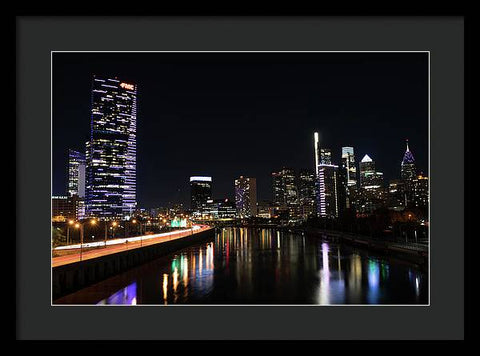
[(123, 240)]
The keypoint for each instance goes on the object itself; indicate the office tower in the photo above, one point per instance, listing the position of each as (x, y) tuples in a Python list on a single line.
[(348, 162), (367, 171), (348, 177), (420, 191), (246, 197), (306, 192), (372, 194), (223, 209), (396, 199), (343, 196), (285, 194), (76, 173), (200, 194), (327, 191), (284, 187), (408, 173), (326, 181), (111, 150)]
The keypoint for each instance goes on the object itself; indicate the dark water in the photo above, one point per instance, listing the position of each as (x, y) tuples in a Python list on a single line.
[(265, 266)]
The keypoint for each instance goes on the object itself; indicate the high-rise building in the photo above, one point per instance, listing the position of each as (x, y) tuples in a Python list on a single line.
[(285, 193), (367, 171), (397, 199), (306, 192), (408, 173), (246, 197), (200, 193), (348, 163), (327, 191), (348, 177), (223, 209), (284, 187), (111, 150), (420, 191), (326, 181), (371, 194), (76, 173)]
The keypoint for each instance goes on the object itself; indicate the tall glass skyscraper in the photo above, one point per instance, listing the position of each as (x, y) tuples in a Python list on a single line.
[(348, 179), (111, 150), (200, 193), (246, 196), (306, 192), (284, 187), (348, 162), (326, 180), (76, 173), (372, 194), (408, 170), (408, 173)]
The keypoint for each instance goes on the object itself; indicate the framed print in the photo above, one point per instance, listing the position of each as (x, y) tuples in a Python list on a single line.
[(260, 173)]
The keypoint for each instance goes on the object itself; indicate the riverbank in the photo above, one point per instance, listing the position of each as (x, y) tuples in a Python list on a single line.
[(412, 252)]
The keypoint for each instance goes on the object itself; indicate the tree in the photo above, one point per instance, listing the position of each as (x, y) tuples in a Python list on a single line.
[(58, 238)]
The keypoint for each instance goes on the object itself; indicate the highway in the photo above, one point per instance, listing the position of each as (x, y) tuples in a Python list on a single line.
[(98, 249)]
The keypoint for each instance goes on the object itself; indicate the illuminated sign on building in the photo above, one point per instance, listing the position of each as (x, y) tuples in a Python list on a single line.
[(127, 86), (200, 179)]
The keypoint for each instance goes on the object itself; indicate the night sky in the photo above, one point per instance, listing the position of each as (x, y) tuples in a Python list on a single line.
[(231, 114)]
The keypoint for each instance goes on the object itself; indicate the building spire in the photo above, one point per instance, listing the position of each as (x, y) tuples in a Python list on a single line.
[(408, 156)]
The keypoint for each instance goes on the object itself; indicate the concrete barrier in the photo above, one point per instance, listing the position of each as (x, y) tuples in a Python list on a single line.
[(72, 277)]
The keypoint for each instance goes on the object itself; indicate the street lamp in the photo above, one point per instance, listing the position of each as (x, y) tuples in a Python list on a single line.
[(77, 225), (114, 224), (81, 226), (70, 222), (134, 221)]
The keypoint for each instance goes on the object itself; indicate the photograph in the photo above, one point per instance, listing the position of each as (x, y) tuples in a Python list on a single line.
[(245, 178)]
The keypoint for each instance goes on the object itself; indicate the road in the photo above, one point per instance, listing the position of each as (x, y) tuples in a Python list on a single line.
[(119, 245)]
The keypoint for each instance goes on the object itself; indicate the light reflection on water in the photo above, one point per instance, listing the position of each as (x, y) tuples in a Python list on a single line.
[(265, 266)]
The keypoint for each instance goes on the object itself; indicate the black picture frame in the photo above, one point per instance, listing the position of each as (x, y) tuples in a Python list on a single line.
[(441, 36)]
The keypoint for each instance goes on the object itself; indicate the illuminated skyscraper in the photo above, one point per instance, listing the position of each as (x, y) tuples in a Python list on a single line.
[(111, 150), (408, 170), (371, 194), (246, 197), (285, 193), (306, 192), (348, 162), (200, 193), (76, 173), (348, 177), (284, 187), (326, 181), (368, 176), (420, 191), (396, 195), (408, 173)]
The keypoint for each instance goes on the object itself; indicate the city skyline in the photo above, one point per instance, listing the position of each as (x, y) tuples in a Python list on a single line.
[(290, 147)]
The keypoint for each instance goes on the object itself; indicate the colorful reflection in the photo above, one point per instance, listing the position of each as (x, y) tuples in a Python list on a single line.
[(325, 277), (373, 281), (127, 295), (268, 266)]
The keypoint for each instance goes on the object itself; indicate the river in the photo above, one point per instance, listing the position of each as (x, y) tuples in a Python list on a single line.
[(263, 266)]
